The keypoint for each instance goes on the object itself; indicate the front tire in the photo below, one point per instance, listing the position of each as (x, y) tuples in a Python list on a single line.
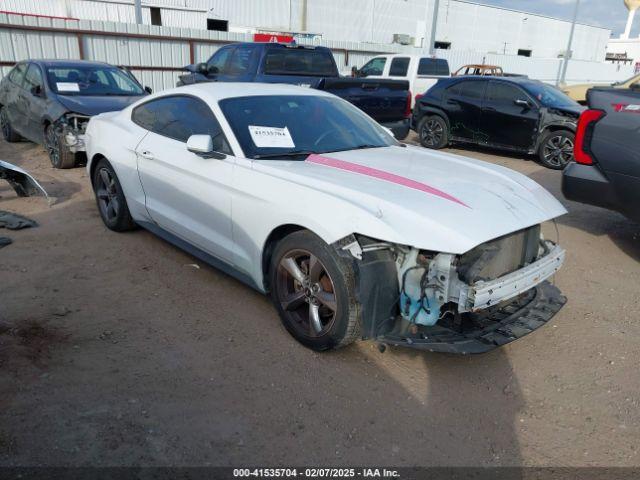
[(313, 290), (556, 149), (110, 198), (59, 154), (8, 133), (433, 132)]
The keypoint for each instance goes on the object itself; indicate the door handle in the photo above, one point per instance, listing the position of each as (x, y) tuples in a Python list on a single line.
[(146, 154), (489, 109)]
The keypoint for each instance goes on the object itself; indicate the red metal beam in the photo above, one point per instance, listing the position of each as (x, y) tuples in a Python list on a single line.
[(39, 16), (192, 52), (80, 46), (149, 68)]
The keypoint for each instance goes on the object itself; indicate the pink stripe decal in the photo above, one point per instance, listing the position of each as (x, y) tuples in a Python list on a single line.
[(381, 175)]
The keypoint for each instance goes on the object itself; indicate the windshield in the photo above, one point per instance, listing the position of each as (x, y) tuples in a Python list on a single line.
[(286, 126), (94, 80), (550, 96)]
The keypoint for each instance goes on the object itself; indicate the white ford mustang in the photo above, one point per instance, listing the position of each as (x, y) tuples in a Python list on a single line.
[(302, 196)]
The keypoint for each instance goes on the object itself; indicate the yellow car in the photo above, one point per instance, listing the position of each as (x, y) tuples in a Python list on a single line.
[(579, 92)]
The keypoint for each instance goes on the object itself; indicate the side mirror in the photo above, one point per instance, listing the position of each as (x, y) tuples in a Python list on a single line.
[(148, 90), (635, 86), (202, 68), (522, 103), (36, 91), (202, 145)]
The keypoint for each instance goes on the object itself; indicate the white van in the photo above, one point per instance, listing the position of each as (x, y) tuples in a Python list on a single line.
[(422, 72)]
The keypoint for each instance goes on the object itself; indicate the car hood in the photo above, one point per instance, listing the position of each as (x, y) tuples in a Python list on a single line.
[(422, 198), (93, 105), (572, 110)]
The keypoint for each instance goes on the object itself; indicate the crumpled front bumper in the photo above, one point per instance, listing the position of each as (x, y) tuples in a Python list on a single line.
[(491, 328), (23, 183), (74, 141)]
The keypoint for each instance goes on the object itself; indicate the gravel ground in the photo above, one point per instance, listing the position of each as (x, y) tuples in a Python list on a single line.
[(116, 350)]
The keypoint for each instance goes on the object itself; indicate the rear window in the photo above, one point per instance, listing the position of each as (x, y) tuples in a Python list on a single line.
[(433, 66), (304, 62), (399, 67)]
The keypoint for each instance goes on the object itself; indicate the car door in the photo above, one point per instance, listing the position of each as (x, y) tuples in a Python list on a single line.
[(510, 117), (463, 105), (35, 103), (14, 97), (186, 194)]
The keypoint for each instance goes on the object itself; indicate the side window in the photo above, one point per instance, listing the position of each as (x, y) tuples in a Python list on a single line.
[(504, 93), (144, 115), (240, 60), (178, 117), (433, 66), (471, 89), (374, 67), (399, 67), (33, 78), (219, 59), (17, 74)]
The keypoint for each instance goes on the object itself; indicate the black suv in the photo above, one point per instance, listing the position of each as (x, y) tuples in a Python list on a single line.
[(510, 113)]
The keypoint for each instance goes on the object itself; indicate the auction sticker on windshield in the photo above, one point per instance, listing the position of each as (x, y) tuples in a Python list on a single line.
[(67, 87), (271, 137)]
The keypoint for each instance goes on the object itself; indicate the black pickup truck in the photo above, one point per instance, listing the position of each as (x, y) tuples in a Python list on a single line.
[(606, 171), (386, 101)]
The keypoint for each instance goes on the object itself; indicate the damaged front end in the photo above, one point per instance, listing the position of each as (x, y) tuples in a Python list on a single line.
[(471, 303), (71, 128)]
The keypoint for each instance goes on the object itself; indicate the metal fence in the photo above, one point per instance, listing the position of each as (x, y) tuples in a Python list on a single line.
[(157, 54)]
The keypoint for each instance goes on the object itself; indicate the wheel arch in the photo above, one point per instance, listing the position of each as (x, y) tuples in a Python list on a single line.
[(93, 162), (432, 111), (270, 243), (554, 127)]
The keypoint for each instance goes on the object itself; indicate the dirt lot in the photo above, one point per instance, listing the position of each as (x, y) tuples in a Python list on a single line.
[(116, 350)]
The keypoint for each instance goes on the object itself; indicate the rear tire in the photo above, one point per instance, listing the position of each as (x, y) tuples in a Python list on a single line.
[(59, 154), (110, 198), (8, 133), (313, 290), (556, 149), (433, 132)]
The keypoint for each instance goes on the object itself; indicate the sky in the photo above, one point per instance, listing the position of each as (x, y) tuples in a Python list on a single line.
[(606, 13)]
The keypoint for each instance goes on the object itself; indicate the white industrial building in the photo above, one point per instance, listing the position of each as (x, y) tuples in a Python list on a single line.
[(462, 25)]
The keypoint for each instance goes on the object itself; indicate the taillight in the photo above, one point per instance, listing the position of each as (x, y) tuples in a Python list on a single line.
[(581, 150), (419, 96), (407, 110)]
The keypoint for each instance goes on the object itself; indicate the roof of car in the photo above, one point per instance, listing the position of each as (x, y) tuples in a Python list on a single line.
[(519, 80), (216, 91), (66, 63)]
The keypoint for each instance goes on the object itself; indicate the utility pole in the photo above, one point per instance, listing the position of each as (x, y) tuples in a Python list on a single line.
[(567, 53), (138, 7), (434, 25)]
